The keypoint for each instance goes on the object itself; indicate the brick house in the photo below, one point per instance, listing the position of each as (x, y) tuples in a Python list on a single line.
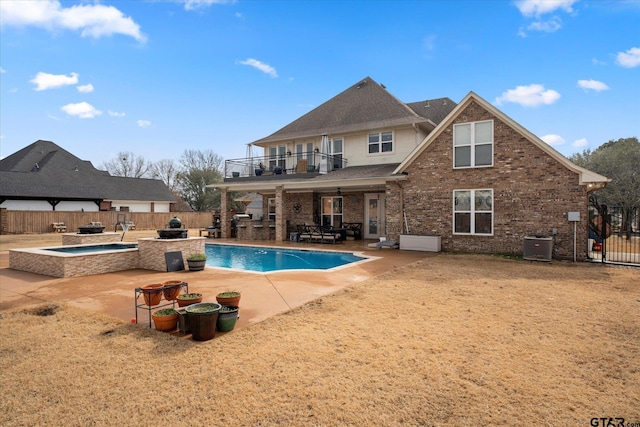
[(465, 172)]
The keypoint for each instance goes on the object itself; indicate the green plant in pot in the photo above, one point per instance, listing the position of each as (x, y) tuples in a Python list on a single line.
[(202, 320), (188, 299), (229, 298), (165, 320), (197, 261), (227, 318)]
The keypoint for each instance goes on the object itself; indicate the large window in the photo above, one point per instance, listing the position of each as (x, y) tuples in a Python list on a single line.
[(332, 211), (381, 142), (336, 152), (473, 212), (271, 209), (473, 144), (277, 157)]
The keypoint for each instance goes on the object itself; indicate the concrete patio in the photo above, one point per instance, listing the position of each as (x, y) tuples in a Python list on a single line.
[(263, 295)]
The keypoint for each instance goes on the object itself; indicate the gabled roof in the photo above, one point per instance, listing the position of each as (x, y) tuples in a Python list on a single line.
[(43, 170), (587, 177), (365, 105)]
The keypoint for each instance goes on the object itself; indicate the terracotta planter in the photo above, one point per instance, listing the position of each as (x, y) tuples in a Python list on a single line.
[(231, 300), (166, 322), (171, 289), (188, 299), (152, 294)]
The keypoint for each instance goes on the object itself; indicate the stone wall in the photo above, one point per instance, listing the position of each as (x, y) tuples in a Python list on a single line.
[(151, 251), (73, 239)]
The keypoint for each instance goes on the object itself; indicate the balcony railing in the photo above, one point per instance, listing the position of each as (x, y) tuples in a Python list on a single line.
[(296, 163)]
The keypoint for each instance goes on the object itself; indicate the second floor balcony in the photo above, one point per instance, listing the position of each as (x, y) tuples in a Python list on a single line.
[(311, 162)]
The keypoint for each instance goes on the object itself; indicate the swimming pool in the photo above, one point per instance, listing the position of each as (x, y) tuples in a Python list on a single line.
[(265, 259)]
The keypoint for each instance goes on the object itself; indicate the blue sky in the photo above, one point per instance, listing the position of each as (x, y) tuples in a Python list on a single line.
[(158, 77)]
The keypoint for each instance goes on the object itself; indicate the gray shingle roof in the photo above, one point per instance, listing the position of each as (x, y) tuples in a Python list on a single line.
[(43, 170), (365, 105)]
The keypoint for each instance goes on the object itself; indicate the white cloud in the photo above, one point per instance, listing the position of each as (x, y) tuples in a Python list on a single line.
[(549, 26), (82, 110), (44, 81), (593, 85), (199, 4), (553, 140), (596, 61), (2, 70), (265, 68), (541, 7), (115, 114), (529, 96), (144, 123), (92, 20), (580, 143), (630, 58), (85, 88)]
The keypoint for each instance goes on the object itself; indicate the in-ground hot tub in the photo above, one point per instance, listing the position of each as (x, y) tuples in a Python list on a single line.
[(79, 260), (86, 260)]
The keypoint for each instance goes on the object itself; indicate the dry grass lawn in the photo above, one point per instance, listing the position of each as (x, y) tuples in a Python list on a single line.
[(451, 340)]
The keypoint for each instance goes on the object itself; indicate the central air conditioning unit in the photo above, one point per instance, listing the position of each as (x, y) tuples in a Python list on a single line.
[(537, 248)]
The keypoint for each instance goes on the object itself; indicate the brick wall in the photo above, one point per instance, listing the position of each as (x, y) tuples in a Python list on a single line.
[(532, 193)]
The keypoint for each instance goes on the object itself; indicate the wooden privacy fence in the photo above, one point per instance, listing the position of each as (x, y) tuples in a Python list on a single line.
[(24, 222)]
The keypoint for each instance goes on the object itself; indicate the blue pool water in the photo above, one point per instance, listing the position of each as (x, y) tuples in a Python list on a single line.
[(262, 259), (94, 248)]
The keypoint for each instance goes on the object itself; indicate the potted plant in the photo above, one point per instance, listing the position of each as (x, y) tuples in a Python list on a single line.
[(229, 298), (197, 261), (202, 319), (152, 294), (171, 289), (188, 299), (165, 320), (227, 318)]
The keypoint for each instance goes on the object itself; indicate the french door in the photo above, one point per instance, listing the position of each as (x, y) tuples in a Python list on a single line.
[(374, 215)]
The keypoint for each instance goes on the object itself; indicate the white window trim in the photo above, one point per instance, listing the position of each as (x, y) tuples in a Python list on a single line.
[(271, 202), (380, 152), (472, 211), (332, 214), (473, 145)]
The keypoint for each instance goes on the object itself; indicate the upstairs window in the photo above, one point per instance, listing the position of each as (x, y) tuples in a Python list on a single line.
[(473, 144), (381, 142), (336, 152), (473, 212)]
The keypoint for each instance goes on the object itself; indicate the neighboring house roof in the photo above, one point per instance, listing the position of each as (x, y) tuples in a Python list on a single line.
[(364, 106), (43, 170), (587, 177)]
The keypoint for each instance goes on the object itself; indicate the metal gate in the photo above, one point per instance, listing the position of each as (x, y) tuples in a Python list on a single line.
[(614, 235)]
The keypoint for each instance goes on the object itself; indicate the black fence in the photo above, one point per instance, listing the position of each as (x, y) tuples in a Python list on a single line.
[(614, 234)]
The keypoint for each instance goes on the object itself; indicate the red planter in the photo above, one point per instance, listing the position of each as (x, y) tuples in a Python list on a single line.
[(152, 294), (171, 289)]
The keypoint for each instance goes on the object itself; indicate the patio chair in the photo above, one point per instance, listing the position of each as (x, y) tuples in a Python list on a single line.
[(301, 167)]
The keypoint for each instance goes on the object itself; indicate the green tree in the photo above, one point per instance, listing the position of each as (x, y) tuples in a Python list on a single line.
[(199, 169), (618, 160)]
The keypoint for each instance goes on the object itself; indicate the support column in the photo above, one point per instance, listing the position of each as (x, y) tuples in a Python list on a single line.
[(281, 221), (225, 215)]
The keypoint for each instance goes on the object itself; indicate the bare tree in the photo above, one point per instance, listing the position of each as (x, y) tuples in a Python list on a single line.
[(128, 165), (167, 170)]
